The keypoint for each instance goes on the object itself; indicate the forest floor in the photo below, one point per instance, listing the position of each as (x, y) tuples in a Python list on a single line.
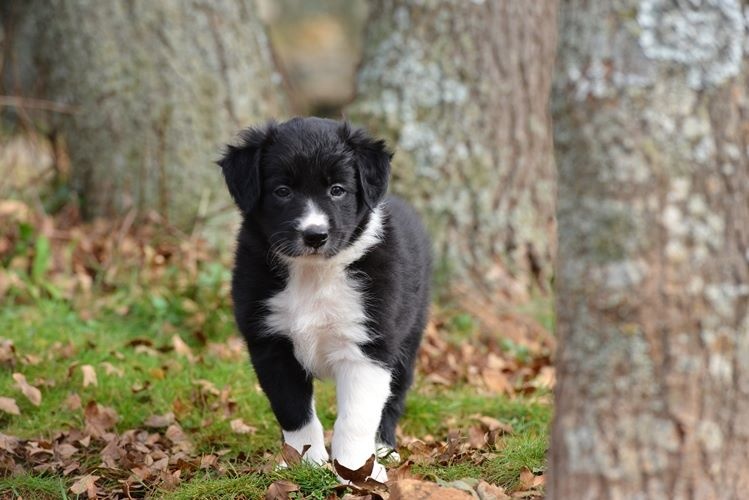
[(121, 375)]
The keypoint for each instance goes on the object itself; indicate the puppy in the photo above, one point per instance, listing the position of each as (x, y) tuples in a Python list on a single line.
[(331, 280)]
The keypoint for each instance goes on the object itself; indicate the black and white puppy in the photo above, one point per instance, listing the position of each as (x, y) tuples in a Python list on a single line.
[(331, 280)]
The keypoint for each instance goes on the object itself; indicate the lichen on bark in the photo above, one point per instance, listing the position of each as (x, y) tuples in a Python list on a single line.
[(653, 270), (460, 91), (159, 87)]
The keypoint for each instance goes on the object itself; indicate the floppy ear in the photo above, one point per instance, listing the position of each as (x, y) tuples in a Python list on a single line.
[(372, 162), (241, 166)]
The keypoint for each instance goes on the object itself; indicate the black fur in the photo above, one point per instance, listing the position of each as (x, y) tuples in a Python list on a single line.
[(309, 155)]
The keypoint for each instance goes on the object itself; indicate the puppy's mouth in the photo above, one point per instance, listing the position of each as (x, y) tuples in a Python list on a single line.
[(302, 251)]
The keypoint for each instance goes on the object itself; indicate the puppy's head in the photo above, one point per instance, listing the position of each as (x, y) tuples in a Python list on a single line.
[(308, 182)]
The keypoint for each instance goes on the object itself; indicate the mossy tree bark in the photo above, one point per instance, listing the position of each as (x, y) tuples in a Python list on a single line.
[(460, 89), (158, 88), (651, 126)]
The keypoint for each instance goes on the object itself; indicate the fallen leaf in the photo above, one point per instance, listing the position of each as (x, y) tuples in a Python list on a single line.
[(238, 426), (160, 420), (413, 489), (403, 471), (492, 424), (7, 352), (476, 437), (178, 437), (73, 402), (546, 378), (290, 455), (32, 393), (208, 461), (182, 349), (66, 450), (279, 490), (89, 375), (98, 419), (8, 443), (85, 484), (110, 369), (526, 478), (488, 491), (359, 475), (496, 381), (8, 405)]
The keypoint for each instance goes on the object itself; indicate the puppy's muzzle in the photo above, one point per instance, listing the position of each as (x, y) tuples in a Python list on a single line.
[(315, 236)]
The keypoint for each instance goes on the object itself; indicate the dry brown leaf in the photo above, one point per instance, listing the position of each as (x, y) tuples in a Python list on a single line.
[(476, 437), (98, 419), (527, 479), (359, 475), (178, 437), (488, 491), (279, 490), (32, 393), (290, 455), (182, 349), (73, 402), (89, 375), (85, 484), (8, 443), (160, 420), (8, 405), (539, 481), (413, 489), (403, 471), (496, 381), (208, 461), (238, 426), (65, 450), (110, 369), (546, 378), (492, 424), (7, 352)]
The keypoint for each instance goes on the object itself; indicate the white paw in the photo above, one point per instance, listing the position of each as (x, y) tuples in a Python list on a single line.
[(379, 473), (316, 455)]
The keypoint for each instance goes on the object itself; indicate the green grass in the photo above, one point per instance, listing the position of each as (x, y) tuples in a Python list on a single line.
[(44, 328), (520, 451), (36, 487)]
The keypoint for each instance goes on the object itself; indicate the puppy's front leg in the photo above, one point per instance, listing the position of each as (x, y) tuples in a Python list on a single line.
[(362, 388), (289, 390)]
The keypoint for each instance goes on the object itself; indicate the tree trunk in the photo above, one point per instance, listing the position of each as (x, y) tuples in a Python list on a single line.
[(158, 86), (651, 110), (461, 91)]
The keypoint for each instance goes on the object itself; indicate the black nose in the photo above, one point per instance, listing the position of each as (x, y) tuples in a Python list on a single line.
[(315, 236)]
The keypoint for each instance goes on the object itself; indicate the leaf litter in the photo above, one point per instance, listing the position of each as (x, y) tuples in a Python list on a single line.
[(102, 461)]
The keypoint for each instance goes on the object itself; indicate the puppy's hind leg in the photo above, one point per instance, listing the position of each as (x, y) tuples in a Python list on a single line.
[(363, 388), (386, 442)]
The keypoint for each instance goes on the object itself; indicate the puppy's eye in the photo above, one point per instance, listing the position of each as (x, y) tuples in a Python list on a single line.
[(337, 191), (282, 192)]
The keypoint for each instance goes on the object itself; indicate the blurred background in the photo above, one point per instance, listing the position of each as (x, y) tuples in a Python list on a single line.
[(120, 370), (117, 231), (119, 111)]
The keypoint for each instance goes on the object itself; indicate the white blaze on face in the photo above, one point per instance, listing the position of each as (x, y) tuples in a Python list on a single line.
[(313, 216)]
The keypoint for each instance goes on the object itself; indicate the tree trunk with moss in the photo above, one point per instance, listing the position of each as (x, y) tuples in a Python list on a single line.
[(460, 89), (651, 113), (158, 87)]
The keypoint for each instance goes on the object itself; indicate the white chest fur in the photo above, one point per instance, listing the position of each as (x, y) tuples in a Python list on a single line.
[(321, 309)]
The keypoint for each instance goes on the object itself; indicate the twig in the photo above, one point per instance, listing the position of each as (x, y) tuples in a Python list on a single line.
[(31, 103)]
